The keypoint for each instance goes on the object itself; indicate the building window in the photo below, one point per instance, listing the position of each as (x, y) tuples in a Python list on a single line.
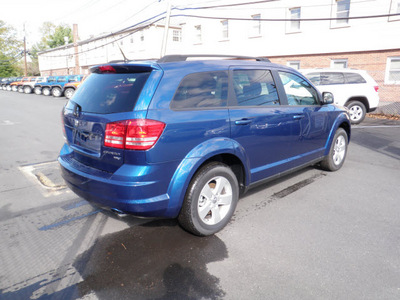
[(141, 36), (197, 34), (339, 63), (177, 35), (294, 17), (255, 29), (392, 75), (394, 9), (131, 39), (295, 64), (343, 11), (225, 29)]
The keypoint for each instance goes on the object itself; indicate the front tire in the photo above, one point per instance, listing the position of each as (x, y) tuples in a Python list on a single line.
[(69, 92), (56, 92), (210, 200), (337, 153), (357, 112), (46, 91)]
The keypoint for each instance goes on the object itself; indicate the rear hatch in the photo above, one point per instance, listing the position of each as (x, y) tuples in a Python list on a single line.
[(102, 103)]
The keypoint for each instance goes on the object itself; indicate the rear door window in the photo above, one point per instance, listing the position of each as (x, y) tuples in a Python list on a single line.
[(109, 93), (254, 88), (332, 78), (202, 90)]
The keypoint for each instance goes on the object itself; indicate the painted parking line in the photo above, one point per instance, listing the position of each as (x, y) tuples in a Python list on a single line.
[(47, 175), (67, 221), (375, 126)]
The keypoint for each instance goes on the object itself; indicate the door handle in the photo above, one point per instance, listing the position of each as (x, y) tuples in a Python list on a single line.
[(297, 117), (243, 122)]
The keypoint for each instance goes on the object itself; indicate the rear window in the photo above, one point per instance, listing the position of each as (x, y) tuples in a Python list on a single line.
[(109, 93)]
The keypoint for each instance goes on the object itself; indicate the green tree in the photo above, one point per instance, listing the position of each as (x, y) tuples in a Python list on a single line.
[(52, 36), (57, 38), (10, 50)]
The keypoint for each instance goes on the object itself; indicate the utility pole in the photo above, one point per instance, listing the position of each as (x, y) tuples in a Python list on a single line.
[(26, 66), (166, 29), (76, 50)]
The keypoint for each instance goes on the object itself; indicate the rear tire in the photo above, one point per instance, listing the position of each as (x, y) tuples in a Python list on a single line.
[(210, 200), (37, 90), (357, 112), (27, 89), (337, 154)]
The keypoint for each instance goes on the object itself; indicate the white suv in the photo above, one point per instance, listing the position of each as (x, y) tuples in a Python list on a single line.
[(354, 89)]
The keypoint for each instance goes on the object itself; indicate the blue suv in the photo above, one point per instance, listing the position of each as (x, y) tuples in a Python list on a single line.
[(185, 138)]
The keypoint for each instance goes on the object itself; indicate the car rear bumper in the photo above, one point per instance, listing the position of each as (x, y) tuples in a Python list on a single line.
[(140, 198)]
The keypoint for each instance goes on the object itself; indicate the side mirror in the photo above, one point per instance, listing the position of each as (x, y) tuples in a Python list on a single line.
[(327, 98)]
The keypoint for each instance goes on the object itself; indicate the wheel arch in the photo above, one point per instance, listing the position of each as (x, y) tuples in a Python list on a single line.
[(192, 163), (57, 86), (342, 121), (362, 99)]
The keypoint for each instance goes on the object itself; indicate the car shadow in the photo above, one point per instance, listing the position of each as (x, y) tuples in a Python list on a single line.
[(155, 260)]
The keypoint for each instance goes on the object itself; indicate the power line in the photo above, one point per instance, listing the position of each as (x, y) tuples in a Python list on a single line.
[(105, 44), (16, 57)]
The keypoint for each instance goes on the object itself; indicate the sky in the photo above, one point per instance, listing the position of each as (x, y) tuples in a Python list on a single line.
[(92, 16)]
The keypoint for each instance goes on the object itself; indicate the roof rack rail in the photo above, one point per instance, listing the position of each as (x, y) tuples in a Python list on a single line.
[(184, 57)]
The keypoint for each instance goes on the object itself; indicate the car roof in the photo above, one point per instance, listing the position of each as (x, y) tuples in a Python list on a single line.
[(198, 65)]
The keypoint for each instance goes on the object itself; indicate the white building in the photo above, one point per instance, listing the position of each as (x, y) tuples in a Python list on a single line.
[(302, 34)]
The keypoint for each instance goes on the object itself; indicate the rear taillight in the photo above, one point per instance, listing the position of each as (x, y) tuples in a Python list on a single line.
[(376, 88), (137, 134)]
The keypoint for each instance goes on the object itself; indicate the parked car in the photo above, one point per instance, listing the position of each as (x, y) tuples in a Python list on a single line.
[(71, 87), (16, 84), (37, 88), (57, 89), (355, 89), (7, 84), (177, 138), (28, 87)]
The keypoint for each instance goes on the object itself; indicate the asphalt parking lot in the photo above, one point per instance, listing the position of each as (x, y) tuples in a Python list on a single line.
[(310, 235)]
